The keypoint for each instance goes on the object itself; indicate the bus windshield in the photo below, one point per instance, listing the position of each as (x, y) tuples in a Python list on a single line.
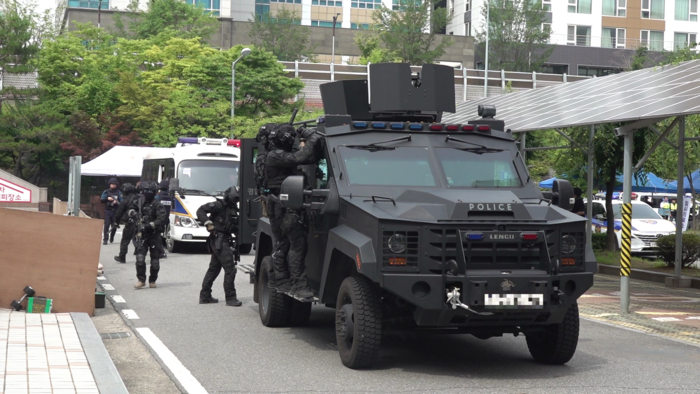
[(209, 176)]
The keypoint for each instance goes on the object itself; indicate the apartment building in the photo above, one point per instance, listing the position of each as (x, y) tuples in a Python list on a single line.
[(595, 28)]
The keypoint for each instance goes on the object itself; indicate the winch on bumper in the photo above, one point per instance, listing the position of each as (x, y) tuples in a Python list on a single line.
[(493, 298)]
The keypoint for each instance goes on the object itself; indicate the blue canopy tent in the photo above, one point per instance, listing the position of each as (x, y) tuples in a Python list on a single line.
[(653, 184), (686, 185)]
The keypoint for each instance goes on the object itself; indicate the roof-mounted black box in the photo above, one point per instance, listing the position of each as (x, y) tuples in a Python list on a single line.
[(394, 89)]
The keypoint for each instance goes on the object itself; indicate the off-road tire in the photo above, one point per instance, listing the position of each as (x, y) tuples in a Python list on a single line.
[(364, 300), (245, 248), (557, 344), (300, 313), (274, 308)]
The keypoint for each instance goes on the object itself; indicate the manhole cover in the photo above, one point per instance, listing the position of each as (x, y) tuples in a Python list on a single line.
[(115, 335)]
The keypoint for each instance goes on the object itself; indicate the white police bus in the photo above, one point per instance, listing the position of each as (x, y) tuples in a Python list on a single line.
[(204, 167)]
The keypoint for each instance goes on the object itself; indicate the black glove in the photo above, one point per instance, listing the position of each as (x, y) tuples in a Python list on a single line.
[(306, 133), (317, 143)]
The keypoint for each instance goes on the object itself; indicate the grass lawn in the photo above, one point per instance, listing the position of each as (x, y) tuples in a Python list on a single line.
[(613, 258)]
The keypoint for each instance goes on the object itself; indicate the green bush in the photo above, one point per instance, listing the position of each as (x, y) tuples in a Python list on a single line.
[(598, 241), (691, 249)]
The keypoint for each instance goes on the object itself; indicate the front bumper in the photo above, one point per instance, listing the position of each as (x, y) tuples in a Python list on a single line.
[(428, 294), (188, 234)]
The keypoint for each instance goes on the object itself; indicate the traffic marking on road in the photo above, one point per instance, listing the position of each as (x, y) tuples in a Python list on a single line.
[(130, 314), (665, 319), (118, 298), (107, 286), (692, 318), (182, 374), (101, 278)]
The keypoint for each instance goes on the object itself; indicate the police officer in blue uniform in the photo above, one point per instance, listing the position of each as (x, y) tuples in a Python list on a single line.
[(167, 201), (110, 198)]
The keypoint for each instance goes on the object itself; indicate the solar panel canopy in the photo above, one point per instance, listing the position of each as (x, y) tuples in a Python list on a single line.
[(657, 92)]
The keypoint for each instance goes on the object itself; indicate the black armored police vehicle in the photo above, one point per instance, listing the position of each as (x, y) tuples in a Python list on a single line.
[(417, 224)]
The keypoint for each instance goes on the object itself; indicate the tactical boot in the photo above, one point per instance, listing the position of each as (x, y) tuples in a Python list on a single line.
[(120, 259), (303, 292), (152, 285), (139, 285), (210, 300), (233, 302), (284, 286), (111, 239), (104, 242)]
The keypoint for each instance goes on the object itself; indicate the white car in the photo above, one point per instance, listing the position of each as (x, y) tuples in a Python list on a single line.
[(647, 224)]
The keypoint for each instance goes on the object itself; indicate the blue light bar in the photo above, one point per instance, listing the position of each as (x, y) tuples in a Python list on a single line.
[(416, 126), (379, 125), (397, 126), (360, 125), (188, 140), (475, 236)]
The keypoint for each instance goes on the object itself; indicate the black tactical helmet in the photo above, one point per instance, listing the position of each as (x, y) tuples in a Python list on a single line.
[(113, 181), (231, 195), (283, 137), (149, 189), (128, 188), (164, 185)]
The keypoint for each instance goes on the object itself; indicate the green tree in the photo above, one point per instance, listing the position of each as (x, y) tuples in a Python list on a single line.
[(517, 41), (283, 36), (371, 52), (169, 18), (17, 36), (411, 33)]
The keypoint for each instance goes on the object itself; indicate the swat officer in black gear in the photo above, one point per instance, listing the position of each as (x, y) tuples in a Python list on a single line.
[(111, 198), (167, 200), (287, 225), (149, 218), (221, 222), (128, 233)]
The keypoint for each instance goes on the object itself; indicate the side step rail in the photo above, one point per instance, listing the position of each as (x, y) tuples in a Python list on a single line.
[(247, 269)]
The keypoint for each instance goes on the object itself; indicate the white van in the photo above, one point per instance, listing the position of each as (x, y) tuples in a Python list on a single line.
[(647, 224), (205, 167)]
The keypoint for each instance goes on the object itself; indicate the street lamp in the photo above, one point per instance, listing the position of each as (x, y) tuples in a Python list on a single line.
[(486, 61), (245, 52), (335, 19)]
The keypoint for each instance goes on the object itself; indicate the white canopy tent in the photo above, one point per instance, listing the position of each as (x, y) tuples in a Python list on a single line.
[(118, 161)]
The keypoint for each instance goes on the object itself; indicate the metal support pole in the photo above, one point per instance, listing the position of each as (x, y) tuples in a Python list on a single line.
[(503, 80), (486, 60), (74, 185), (70, 186), (589, 191), (464, 84), (679, 198), (523, 138), (626, 249), (296, 75), (233, 94)]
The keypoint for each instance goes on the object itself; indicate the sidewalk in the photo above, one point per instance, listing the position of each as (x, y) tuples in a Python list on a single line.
[(54, 353), (655, 309)]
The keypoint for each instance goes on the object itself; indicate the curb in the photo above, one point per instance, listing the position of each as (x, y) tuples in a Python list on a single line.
[(649, 276)]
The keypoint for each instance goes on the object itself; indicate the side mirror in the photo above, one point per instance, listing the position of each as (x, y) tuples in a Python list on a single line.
[(563, 194), (174, 185), (292, 192)]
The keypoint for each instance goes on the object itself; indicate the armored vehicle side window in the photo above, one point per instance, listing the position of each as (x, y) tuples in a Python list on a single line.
[(468, 168), (322, 174), (384, 166)]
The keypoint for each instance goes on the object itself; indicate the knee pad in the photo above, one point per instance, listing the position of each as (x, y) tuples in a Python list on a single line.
[(140, 259), (155, 264)]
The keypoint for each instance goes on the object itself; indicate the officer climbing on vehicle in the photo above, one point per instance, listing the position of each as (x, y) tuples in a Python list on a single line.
[(167, 200), (221, 220), (287, 224), (128, 233), (111, 198), (149, 218)]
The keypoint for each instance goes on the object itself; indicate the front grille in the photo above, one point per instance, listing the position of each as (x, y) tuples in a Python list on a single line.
[(410, 254), (525, 255), (647, 238)]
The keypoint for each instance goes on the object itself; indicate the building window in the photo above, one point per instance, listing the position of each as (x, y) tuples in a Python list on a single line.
[(547, 28), (598, 71), (328, 3), (371, 4), (363, 26), (613, 38), (89, 4), (580, 6), (547, 5), (262, 9), (555, 69), (654, 40), (467, 4), (579, 36), (653, 9), (683, 40), (322, 23), (212, 6), (615, 8), (468, 29), (687, 10), (398, 5)]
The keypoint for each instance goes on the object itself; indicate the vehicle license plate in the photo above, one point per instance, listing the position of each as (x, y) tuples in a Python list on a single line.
[(652, 244), (514, 300)]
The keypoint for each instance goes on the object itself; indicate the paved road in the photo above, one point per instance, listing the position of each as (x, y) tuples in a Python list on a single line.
[(228, 350)]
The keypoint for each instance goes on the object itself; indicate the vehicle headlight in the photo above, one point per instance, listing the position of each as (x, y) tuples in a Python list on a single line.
[(568, 244), (184, 221), (397, 243)]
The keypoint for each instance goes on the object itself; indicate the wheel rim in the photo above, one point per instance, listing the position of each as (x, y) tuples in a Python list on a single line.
[(346, 325), (168, 240)]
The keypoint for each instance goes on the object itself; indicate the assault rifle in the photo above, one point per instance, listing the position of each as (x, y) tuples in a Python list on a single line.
[(137, 217)]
